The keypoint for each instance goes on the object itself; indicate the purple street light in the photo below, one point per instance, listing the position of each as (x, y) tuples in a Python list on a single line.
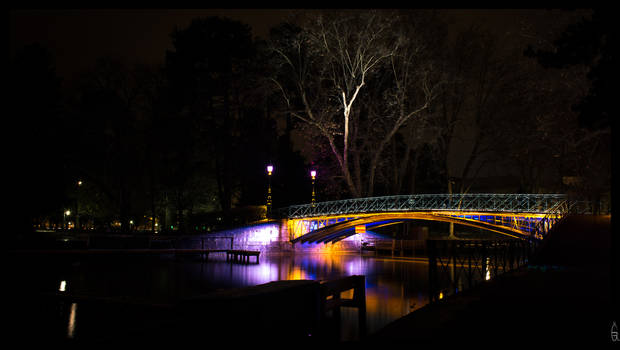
[(313, 175), (269, 171)]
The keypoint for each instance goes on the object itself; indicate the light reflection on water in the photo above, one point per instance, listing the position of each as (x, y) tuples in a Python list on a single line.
[(71, 323), (394, 287)]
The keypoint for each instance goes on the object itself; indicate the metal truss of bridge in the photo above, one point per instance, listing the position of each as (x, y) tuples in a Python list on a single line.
[(523, 216)]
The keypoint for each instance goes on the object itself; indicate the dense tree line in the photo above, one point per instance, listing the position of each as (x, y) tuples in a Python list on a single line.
[(381, 100)]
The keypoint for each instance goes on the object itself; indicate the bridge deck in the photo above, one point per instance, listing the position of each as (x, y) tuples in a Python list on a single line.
[(523, 216)]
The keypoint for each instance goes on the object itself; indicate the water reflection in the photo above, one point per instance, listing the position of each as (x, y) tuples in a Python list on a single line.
[(71, 323), (456, 265), (487, 275), (394, 287)]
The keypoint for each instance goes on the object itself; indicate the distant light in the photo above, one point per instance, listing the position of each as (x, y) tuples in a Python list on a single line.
[(156, 224), (79, 183), (440, 295), (488, 271), (131, 222), (313, 174), (269, 169), (63, 286), (68, 212)]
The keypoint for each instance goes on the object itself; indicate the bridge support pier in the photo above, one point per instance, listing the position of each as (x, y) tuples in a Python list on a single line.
[(451, 236)]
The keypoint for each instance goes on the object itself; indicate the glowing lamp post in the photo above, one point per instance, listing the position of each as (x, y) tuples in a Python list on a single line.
[(269, 171), (77, 206), (313, 175), (64, 218)]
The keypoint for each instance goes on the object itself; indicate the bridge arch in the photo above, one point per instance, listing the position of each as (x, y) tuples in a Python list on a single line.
[(513, 215), (340, 230)]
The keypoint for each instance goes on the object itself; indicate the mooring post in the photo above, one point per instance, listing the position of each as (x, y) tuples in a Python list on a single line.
[(359, 294), (432, 269), (484, 261), (202, 247)]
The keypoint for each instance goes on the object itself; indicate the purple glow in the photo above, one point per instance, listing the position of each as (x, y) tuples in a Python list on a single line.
[(261, 235), (313, 173), (269, 169)]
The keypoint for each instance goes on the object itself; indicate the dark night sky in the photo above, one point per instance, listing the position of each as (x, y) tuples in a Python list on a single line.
[(79, 37)]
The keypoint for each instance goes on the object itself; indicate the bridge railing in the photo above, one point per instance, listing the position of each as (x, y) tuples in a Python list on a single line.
[(523, 203), (565, 207)]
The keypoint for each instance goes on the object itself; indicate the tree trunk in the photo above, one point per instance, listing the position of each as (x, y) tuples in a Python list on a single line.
[(414, 171)]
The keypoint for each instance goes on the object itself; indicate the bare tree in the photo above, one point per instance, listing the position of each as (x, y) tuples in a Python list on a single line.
[(331, 60), (414, 85)]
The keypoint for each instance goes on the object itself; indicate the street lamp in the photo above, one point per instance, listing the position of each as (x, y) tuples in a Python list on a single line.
[(313, 175), (64, 218), (77, 206), (269, 171)]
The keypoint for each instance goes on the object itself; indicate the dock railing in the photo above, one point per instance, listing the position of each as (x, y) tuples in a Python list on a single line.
[(331, 299), (456, 265)]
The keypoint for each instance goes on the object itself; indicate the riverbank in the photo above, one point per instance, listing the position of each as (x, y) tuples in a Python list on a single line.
[(564, 296)]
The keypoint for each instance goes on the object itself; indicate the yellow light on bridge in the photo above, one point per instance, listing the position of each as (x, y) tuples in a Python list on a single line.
[(360, 229)]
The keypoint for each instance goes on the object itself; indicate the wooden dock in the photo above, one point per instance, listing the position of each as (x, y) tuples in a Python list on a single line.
[(331, 299), (241, 255)]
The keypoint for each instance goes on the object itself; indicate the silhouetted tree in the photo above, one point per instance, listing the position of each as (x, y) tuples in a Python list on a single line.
[(212, 75), (109, 141), (587, 44), (36, 153)]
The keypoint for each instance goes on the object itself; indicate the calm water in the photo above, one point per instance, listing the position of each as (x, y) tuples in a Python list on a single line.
[(394, 286)]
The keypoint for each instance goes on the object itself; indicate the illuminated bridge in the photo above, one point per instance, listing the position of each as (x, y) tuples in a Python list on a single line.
[(522, 216)]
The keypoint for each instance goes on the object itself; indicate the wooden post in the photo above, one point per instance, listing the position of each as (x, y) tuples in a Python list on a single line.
[(469, 275), (483, 263), (334, 289), (359, 295), (432, 270)]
